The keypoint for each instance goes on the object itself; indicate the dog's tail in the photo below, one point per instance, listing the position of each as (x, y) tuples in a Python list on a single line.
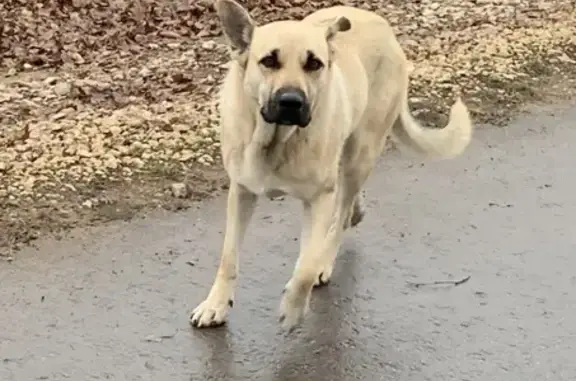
[(447, 142)]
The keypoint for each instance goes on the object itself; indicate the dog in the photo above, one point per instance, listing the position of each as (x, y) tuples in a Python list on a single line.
[(305, 110)]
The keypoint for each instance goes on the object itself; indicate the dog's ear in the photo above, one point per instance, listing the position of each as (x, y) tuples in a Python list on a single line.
[(236, 24), (342, 24)]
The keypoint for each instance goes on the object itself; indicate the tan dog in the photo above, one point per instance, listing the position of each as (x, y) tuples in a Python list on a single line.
[(305, 109)]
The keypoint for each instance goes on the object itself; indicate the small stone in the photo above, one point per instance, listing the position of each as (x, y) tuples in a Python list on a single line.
[(134, 121), (62, 114), (179, 190), (115, 130), (84, 152), (206, 132), (186, 155), (136, 162), (111, 163), (145, 72), (206, 159), (181, 127), (78, 58), (50, 81), (62, 89), (209, 45)]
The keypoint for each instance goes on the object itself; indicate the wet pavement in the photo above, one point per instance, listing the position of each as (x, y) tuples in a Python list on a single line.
[(112, 303)]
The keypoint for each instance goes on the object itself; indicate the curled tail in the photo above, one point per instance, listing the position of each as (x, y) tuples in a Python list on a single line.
[(447, 142)]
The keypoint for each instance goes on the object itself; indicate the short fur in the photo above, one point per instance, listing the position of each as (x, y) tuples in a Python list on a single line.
[(357, 99)]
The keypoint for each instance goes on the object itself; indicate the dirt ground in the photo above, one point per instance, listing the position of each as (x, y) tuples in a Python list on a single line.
[(107, 107)]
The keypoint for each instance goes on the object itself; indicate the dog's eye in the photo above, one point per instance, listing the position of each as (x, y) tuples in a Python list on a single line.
[(270, 61), (313, 64)]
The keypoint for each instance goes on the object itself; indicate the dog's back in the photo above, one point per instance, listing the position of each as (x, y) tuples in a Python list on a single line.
[(373, 41), (370, 38)]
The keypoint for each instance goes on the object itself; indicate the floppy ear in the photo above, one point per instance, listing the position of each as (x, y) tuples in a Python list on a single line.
[(236, 24), (342, 24)]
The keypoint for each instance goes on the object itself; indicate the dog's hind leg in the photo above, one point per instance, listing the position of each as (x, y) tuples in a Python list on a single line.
[(212, 311), (325, 271), (322, 233), (352, 213)]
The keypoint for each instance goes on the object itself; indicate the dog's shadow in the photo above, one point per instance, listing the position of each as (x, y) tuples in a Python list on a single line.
[(220, 361)]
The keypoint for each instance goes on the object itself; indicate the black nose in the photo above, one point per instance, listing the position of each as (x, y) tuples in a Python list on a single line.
[(287, 107), (293, 99)]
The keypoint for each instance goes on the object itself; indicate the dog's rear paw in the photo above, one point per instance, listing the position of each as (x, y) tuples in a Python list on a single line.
[(324, 277), (357, 215), (210, 313), (358, 212), (294, 305)]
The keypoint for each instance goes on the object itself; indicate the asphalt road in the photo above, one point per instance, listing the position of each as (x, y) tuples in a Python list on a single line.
[(112, 303)]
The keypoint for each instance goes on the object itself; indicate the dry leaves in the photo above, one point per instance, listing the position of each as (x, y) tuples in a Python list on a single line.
[(97, 92)]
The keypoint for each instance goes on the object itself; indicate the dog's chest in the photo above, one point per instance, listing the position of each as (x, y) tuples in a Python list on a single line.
[(261, 178), (295, 167), (266, 181)]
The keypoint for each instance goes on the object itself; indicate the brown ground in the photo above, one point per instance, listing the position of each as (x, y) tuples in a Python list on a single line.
[(106, 107)]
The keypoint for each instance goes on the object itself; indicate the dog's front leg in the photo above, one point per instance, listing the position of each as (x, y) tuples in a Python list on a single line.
[(212, 311), (317, 252)]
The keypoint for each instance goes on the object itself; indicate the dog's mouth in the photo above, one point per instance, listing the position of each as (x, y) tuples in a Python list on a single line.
[(287, 107), (285, 118)]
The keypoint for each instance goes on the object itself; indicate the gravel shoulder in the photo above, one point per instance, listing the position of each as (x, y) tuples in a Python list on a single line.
[(107, 109)]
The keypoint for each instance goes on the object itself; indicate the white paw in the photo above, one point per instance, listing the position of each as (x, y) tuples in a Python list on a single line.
[(294, 305), (211, 312)]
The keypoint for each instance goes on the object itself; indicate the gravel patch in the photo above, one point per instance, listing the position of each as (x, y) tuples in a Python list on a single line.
[(107, 107)]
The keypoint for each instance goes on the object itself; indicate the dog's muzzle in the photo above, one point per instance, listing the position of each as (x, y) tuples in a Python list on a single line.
[(288, 106)]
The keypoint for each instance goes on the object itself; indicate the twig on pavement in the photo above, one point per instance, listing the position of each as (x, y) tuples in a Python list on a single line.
[(438, 282)]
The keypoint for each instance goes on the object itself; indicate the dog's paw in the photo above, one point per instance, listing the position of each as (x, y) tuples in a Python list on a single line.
[(210, 313), (357, 215), (358, 211), (324, 276), (294, 305)]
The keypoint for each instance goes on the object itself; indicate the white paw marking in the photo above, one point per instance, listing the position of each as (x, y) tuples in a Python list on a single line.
[(211, 312)]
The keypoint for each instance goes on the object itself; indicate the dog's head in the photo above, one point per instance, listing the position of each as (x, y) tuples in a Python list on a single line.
[(285, 63)]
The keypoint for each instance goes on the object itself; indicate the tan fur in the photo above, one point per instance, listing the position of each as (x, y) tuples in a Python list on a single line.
[(358, 99)]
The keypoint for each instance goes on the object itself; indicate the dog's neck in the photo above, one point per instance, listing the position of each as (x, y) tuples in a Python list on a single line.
[(269, 141)]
